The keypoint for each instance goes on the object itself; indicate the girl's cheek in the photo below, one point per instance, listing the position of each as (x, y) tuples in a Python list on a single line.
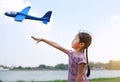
[(74, 45)]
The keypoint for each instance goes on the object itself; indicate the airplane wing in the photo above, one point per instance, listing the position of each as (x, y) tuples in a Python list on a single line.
[(20, 16), (25, 10)]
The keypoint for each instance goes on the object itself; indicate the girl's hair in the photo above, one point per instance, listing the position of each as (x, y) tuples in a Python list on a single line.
[(86, 38)]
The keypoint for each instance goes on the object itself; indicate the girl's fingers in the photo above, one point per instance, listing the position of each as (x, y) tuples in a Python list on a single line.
[(38, 40), (33, 38)]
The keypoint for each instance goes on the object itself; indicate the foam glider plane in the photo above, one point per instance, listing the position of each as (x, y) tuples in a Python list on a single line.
[(20, 16)]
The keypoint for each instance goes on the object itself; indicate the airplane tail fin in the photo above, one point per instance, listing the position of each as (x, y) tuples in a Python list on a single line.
[(46, 17)]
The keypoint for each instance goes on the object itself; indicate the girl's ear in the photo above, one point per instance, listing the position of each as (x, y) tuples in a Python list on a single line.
[(82, 44)]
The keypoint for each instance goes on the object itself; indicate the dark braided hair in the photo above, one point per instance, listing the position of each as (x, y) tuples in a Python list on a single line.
[(86, 38)]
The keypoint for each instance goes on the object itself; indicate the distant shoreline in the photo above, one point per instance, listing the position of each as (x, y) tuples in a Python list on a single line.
[(111, 65)]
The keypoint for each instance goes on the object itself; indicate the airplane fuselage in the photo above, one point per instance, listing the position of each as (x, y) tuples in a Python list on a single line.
[(13, 14)]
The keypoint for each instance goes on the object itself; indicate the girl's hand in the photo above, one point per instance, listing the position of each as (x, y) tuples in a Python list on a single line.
[(36, 39)]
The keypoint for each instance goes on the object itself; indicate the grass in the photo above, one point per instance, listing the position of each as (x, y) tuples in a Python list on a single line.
[(44, 81), (95, 80), (91, 80), (106, 80)]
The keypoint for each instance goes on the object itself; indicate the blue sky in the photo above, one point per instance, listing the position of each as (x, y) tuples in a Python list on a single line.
[(101, 18)]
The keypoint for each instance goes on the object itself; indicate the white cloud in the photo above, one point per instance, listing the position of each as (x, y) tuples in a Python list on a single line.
[(13, 4), (115, 18)]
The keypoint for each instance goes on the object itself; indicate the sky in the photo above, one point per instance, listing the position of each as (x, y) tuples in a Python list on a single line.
[(100, 18)]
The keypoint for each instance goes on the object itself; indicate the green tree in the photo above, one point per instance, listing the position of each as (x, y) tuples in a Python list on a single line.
[(62, 66), (42, 66)]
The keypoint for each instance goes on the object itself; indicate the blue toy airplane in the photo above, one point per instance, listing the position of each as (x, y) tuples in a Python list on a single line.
[(20, 16)]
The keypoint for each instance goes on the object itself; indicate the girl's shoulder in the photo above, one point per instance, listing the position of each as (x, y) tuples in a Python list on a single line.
[(70, 52), (81, 58)]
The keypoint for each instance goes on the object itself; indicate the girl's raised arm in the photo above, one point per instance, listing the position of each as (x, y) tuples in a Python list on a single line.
[(51, 43)]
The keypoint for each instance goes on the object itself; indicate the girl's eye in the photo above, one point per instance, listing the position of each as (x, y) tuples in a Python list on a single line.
[(76, 38)]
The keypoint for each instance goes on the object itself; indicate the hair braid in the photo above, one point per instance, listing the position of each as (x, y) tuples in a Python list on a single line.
[(88, 67)]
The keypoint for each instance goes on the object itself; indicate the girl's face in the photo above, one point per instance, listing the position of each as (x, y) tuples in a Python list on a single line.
[(76, 42)]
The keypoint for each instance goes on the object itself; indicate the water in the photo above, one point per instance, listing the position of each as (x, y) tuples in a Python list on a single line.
[(12, 76)]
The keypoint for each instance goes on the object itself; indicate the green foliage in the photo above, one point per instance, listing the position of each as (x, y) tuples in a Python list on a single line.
[(106, 80), (20, 81), (55, 81), (62, 66), (44, 67), (111, 65)]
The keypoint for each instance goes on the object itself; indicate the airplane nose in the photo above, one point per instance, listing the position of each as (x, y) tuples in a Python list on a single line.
[(6, 13)]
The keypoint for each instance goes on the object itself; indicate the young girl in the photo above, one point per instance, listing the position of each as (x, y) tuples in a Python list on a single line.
[(78, 63)]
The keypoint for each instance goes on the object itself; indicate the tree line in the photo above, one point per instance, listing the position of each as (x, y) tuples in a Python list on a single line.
[(111, 65), (43, 67)]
